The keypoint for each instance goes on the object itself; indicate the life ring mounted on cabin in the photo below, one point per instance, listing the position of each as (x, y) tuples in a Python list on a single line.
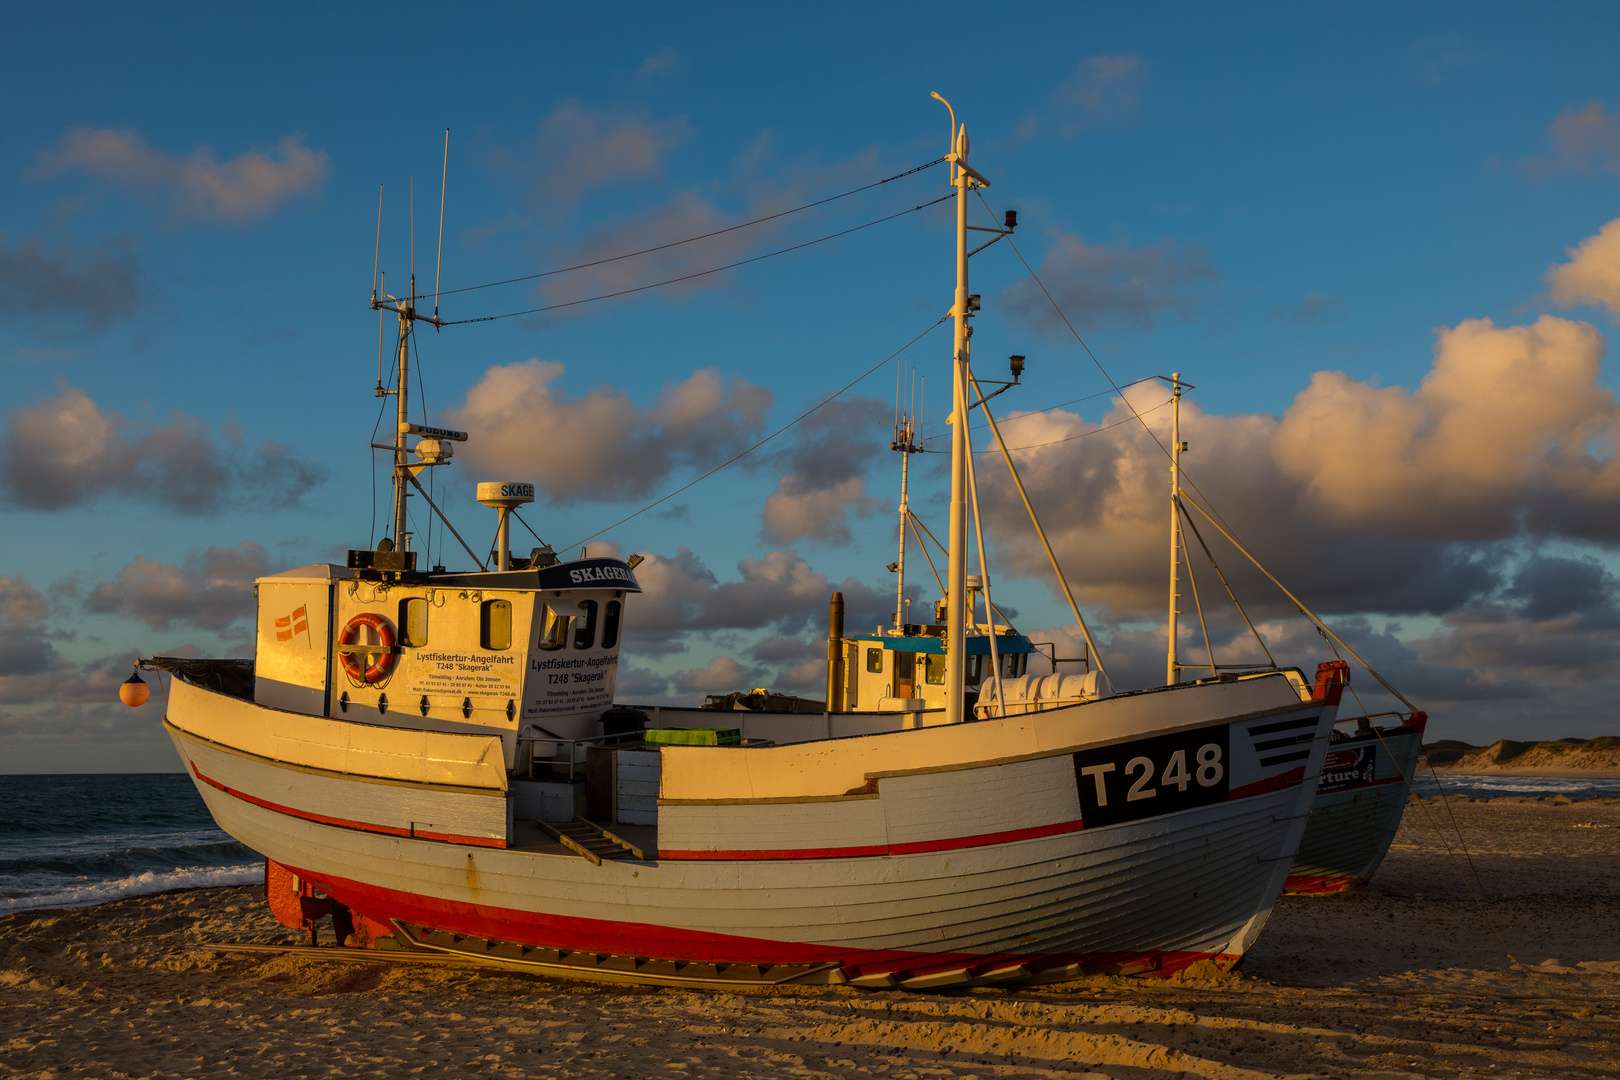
[(368, 664)]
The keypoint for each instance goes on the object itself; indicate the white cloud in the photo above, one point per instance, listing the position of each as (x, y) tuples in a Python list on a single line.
[(1100, 287), (248, 186), (91, 289), (823, 467), (1500, 435), (1360, 497), (779, 589), (585, 149), (796, 510), (602, 447), (66, 451), (211, 592), (661, 62), (1581, 139), (1592, 275), (1103, 91), (721, 676)]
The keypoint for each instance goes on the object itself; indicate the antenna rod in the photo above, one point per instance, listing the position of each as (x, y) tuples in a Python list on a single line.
[(413, 238), (439, 262), (407, 313), (376, 258)]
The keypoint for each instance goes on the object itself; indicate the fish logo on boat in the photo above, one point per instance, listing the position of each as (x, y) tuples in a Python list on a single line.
[(1348, 768), (368, 662), (290, 626)]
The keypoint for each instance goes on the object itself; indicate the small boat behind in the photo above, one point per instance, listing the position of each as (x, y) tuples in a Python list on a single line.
[(1358, 805)]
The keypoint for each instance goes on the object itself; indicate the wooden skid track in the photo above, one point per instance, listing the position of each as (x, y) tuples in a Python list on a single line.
[(609, 967)]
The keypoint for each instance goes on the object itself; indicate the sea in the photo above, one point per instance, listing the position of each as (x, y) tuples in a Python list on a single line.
[(1482, 786), (68, 841)]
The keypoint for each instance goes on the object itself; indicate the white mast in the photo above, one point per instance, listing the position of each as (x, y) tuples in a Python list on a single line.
[(964, 179), (1172, 670)]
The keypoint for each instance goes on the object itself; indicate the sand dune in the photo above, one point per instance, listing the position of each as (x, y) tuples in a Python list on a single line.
[(1506, 757), (1405, 978)]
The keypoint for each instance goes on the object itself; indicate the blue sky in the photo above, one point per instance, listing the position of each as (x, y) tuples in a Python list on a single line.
[(1251, 195)]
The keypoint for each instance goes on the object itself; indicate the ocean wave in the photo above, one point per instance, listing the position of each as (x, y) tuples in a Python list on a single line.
[(82, 893), (1486, 786)]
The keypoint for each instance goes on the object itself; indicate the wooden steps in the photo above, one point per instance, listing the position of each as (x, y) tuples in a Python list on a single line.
[(590, 841)]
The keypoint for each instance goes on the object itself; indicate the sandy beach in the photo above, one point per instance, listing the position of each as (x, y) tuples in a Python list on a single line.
[(1404, 978)]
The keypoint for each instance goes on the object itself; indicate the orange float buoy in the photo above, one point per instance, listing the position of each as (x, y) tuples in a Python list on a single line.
[(134, 691)]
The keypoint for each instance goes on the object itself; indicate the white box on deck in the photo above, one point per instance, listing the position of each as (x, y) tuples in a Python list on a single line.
[(294, 632), (635, 793)]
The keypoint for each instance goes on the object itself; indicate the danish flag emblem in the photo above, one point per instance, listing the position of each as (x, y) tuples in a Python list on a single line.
[(289, 626)]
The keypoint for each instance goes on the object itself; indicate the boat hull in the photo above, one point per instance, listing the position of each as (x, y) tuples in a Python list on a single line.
[(1356, 812), (967, 872)]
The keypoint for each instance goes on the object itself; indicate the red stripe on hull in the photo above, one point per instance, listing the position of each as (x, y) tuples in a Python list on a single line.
[(378, 905), (345, 823), (1317, 884), (1260, 787), (916, 847)]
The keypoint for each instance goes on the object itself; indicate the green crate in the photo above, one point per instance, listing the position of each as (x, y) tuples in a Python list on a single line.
[(693, 736)]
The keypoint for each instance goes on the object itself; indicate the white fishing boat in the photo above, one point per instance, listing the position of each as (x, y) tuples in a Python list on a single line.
[(432, 757)]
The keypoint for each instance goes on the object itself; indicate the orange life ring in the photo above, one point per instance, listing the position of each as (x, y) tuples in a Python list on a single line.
[(381, 663)]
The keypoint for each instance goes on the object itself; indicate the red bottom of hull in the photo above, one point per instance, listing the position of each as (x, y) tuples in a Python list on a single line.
[(1313, 884), (374, 909)]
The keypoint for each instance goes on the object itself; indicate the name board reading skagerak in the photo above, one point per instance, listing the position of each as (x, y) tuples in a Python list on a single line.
[(1147, 777)]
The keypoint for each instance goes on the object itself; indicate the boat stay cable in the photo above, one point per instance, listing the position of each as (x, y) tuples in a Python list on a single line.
[(675, 243), (1320, 625), (911, 519), (1198, 605), (526, 525), (1191, 524), (699, 273), (791, 423), (1035, 519)]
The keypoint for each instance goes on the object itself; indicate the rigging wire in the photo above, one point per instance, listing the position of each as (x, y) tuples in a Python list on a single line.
[(699, 273), (744, 453), (525, 524), (690, 239)]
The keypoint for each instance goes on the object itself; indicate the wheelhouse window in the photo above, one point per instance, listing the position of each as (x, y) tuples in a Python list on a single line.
[(934, 669), (973, 669), (553, 630), (495, 625), (874, 661), (585, 631), (413, 617), (610, 624), (1014, 664)]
